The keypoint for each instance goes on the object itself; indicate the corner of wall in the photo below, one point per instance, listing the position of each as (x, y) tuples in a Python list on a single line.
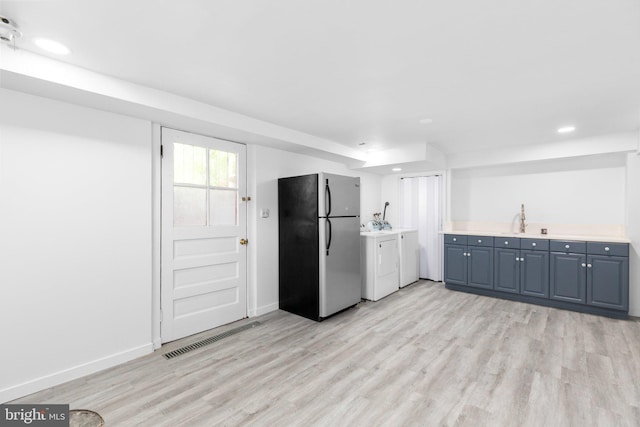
[(252, 234), (55, 378), (633, 231)]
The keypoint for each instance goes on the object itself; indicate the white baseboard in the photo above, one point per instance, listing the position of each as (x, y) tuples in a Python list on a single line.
[(19, 390), (264, 309)]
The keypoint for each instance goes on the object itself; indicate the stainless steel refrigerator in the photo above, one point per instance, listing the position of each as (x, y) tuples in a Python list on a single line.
[(319, 244)]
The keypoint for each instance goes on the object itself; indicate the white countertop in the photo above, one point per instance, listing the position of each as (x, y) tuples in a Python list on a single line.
[(383, 232), (582, 238)]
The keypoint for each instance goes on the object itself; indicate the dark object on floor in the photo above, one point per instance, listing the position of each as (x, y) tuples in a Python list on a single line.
[(85, 418)]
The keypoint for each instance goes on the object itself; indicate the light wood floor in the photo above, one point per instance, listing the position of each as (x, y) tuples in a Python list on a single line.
[(424, 356)]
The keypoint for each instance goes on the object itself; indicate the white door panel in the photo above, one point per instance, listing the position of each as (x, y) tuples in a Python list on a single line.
[(203, 274)]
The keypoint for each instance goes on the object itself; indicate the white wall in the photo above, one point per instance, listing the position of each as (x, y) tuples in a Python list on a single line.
[(272, 164), (75, 221), (633, 231), (585, 190), (389, 190)]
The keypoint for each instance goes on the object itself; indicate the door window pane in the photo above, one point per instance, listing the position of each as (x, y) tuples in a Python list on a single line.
[(189, 164), (223, 169), (223, 207), (189, 206)]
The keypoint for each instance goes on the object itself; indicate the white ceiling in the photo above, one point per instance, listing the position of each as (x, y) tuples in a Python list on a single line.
[(493, 73)]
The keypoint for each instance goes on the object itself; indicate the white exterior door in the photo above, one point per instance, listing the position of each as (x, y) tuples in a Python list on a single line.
[(204, 257)]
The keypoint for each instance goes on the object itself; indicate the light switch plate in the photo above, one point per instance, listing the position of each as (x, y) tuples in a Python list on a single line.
[(264, 213)]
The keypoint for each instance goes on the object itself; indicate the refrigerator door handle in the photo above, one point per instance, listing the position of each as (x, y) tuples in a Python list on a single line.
[(328, 234), (327, 198)]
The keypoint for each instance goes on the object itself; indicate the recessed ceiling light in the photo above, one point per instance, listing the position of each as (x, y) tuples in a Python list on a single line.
[(566, 129), (52, 46), (8, 30), (396, 169), (426, 121)]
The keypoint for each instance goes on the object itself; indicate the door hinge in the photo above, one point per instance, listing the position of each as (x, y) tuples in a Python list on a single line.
[(162, 151)]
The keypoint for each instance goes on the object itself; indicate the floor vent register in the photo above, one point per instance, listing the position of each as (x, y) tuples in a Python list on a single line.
[(187, 348)]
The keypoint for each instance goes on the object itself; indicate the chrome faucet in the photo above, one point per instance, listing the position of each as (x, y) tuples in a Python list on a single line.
[(522, 218)]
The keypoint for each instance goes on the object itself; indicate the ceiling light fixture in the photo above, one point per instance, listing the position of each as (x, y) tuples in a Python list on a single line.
[(8, 30), (52, 46), (566, 129), (396, 169)]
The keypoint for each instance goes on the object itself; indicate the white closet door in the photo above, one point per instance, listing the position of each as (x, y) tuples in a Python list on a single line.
[(421, 209), (429, 228)]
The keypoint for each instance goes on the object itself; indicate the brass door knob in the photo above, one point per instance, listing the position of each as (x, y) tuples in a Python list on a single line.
[(243, 241)]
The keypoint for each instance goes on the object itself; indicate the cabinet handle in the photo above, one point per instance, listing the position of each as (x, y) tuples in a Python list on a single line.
[(584, 265), (455, 240), (567, 246), (464, 254), (506, 242), (521, 259), (533, 244), (469, 254), (606, 248), (589, 265), (517, 259), (479, 241)]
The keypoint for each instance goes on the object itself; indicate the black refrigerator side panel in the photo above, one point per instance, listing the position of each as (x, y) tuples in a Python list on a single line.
[(298, 245)]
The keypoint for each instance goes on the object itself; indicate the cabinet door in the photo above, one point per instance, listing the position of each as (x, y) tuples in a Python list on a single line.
[(387, 276), (455, 264), (534, 273), (387, 258), (506, 270), (410, 258), (608, 282), (568, 277), (480, 267)]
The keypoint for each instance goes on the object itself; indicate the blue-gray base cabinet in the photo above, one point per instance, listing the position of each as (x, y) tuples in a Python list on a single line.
[(469, 261), (590, 277), (521, 266)]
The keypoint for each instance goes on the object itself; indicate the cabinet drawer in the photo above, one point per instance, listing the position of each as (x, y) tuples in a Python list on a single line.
[(455, 239), (506, 242), (480, 241), (535, 244), (603, 248), (568, 246)]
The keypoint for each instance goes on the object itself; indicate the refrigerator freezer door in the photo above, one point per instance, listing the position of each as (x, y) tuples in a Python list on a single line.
[(340, 284), (298, 245), (341, 197)]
